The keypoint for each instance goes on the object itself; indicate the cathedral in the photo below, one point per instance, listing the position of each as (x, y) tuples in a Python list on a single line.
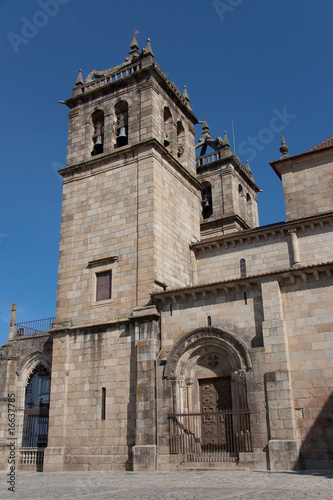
[(186, 335)]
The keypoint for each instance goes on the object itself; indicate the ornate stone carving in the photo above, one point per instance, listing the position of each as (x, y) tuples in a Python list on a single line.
[(239, 376), (222, 336)]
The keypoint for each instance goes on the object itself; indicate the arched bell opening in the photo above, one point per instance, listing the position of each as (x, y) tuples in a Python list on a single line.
[(98, 135), (168, 124), (207, 200), (121, 112), (181, 138)]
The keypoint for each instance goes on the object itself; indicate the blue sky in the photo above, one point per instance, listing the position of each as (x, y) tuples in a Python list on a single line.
[(265, 64)]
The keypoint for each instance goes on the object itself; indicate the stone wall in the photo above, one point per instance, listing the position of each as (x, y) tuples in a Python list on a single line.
[(84, 362), (266, 251), (307, 183)]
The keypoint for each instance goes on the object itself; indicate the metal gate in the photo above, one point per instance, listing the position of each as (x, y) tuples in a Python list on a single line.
[(35, 431), (210, 437), (34, 436)]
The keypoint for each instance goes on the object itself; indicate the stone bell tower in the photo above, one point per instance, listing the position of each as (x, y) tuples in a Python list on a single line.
[(229, 195), (131, 203), (131, 209)]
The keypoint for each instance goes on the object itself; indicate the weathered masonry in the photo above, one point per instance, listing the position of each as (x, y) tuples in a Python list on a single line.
[(184, 331)]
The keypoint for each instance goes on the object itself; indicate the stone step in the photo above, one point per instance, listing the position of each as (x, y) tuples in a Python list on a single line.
[(212, 465)]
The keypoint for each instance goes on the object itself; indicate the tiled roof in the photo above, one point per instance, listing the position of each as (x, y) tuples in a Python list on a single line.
[(323, 145)]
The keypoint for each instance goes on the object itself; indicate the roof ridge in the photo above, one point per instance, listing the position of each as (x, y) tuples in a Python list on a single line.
[(323, 145)]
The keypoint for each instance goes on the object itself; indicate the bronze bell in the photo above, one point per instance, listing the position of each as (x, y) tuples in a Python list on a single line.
[(99, 140), (166, 140), (98, 145), (122, 137)]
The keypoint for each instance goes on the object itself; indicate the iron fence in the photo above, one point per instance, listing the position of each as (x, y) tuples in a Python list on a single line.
[(34, 327), (35, 429), (210, 437)]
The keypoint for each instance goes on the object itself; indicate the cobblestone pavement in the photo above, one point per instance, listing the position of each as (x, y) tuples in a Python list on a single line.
[(184, 485)]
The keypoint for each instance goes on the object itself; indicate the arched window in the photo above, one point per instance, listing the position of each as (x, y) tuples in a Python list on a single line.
[(167, 126), (180, 138), (36, 409), (242, 267), (98, 136), (248, 198), (121, 111), (207, 202)]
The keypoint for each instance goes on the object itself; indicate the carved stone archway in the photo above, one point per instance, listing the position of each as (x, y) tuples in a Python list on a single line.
[(35, 361), (207, 353)]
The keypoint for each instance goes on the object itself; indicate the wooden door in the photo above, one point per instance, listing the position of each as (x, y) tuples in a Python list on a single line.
[(215, 396)]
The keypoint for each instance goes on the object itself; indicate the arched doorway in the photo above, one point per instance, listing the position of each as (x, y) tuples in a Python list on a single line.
[(210, 422), (36, 416)]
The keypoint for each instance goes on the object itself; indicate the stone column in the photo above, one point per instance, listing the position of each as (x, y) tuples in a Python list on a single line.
[(147, 348), (12, 324), (238, 380), (189, 389), (295, 256), (283, 444)]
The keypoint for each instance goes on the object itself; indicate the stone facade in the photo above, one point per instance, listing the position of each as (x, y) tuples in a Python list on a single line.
[(199, 297)]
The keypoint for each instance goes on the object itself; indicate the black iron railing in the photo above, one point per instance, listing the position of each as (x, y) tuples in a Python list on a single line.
[(216, 436), (35, 429), (34, 327)]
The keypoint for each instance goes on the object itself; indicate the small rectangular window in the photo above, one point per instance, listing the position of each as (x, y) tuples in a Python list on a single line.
[(103, 285), (103, 403)]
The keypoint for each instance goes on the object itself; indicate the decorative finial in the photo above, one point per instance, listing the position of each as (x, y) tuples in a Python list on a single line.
[(134, 44), (79, 80), (284, 148), (225, 140), (134, 52), (205, 129), (148, 51), (185, 94)]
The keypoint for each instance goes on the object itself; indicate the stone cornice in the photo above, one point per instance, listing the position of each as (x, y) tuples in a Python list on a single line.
[(301, 274), (139, 314), (221, 159), (172, 90), (261, 233), (103, 262), (123, 75), (206, 224), (126, 153), (68, 327)]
